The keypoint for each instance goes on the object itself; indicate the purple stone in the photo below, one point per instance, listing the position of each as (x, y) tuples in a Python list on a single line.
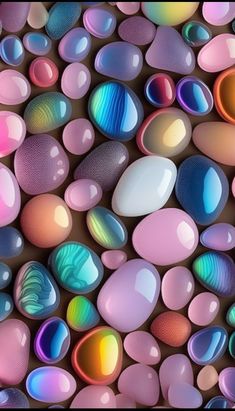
[(13, 398), (14, 15), (194, 96), (184, 395), (75, 45), (227, 383), (137, 30), (99, 22), (220, 236)]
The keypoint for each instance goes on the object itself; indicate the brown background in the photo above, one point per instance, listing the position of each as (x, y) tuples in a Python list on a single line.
[(80, 232)]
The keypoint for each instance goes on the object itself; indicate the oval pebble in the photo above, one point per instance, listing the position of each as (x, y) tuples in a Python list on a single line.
[(142, 348), (14, 87), (12, 132), (137, 30), (43, 72), (207, 378), (233, 187), (222, 45), (75, 45), (180, 279), (171, 328), (83, 194), (219, 402), (123, 401), (11, 242), (223, 90), (168, 13), (81, 314), (196, 33), (78, 136), (220, 236), (231, 345), (13, 398), (128, 7), (113, 259), (226, 383), (194, 96), (99, 22), (38, 15), (5, 275), (62, 17), (230, 316), (203, 309), (75, 80), (12, 50), (183, 395), (37, 43), (14, 15), (10, 199), (159, 90), (6, 305), (93, 396), (218, 13)]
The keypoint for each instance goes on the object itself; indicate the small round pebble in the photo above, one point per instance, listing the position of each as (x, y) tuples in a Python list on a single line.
[(113, 259), (43, 72), (137, 30), (81, 195), (75, 81), (94, 396), (6, 306), (5, 275), (78, 136), (207, 378), (75, 45), (128, 7), (171, 328)]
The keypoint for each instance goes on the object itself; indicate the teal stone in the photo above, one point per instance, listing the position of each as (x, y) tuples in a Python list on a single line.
[(6, 305), (76, 267), (115, 110), (230, 316), (196, 33), (231, 345), (62, 17)]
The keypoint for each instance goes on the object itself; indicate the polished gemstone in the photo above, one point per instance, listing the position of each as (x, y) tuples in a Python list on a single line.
[(203, 309), (94, 396), (99, 22), (6, 305), (207, 378), (142, 348), (82, 314), (11, 242), (227, 383), (196, 33), (37, 43), (218, 13), (62, 17), (177, 287), (137, 30), (14, 87), (171, 328), (13, 398), (184, 395), (78, 136), (219, 402), (220, 236), (75, 80), (43, 72), (5, 275), (38, 15), (75, 45), (221, 45), (12, 132), (231, 345), (194, 96), (12, 50), (159, 90), (14, 15), (83, 194), (128, 7), (169, 13), (224, 88), (230, 316), (10, 199), (113, 259)]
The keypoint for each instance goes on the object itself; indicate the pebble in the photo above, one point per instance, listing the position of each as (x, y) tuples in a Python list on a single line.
[(99, 22), (83, 194), (203, 309), (134, 287), (142, 348), (37, 43), (14, 15), (218, 13), (226, 383), (222, 45), (43, 72), (177, 287), (223, 89), (194, 96), (75, 45), (207, 378), (183, 395), (230, 316), (6, 305), (13, 398), (12, 50), (62, 17), (169, 13), (171, 328), (219, 402), (14, 87), (5, 275), (113, 259), (196, 33), (123, 401), (128, 8), (94, 396), (10, 199), (75, 80), (12, 134), (220, 236), (231, 345), (38, 15), (137, 30), (159, 90), (11, 242), (81, 314), (78, 136), (233, 187)]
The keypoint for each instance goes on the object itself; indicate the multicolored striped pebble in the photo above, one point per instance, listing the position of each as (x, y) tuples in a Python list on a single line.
[(184, 395), (62, 17), (11, 242), (13, 398), (203, 309), (169, 13), (207, 378), (194, 96), (75, 45), (14, 15), (12, 50), (230, 316), (10, 199), (94, 396), (221, 45), (220, 236), (227, 383), (181, 279), (5, 275), (37, 43), (137, 30), (99, 22), (113, 259), (14, 87), (6, 305), (83, 194), (82, 314), (159, 90), (196, 33), (12, 132), (142, 347), (38, 15)]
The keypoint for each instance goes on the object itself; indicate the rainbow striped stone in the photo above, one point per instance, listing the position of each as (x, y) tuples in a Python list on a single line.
[(82, 314)]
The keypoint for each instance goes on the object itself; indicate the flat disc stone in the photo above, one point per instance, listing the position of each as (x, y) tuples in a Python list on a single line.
[(137, 30), (227, 383)]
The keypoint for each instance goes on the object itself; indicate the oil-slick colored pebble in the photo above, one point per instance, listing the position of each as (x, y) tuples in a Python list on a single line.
[(169, 13), (14, 15), (219, 402), (78, 136), (216, 272), (50, 384), (140, 382), (105, 164), (227, 383), (76, 267), (168, 51), (222, 45), (128, 8), (230, 316), (134, 287), (137, 30), (46, 112), (113, 259), (43, 72), (223, 90), (194, 96), (231, 345), (75, 45), (218, 13), (62, 17), (203, 309), (208, 345), (37, 43), (75, 80), (177, 287), (94, 396), (12, 50), (5, 275), (14, 87), (183, 395), (83, 194), (40, 164), (11, 242), (10, 199), (14, 354), (220, 236), (38, 15), (82, 314), (97, 357), (12, 132), (171, 328), (36, 294), (99, 22), (166, 236), (13, 398), (159, 90), (123, 401), (52, 340), (142, 348), (196, 33), (6, 305), (165, 132), (207, 378)]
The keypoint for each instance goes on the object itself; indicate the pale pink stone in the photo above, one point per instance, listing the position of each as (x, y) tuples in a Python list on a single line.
[(233, 187), (177, 287), (12, 132), (142, 347), (128, 7), (76, 80), (203, 308), (14, 87), (223, 46), (94, 396), (81, 195), (10, 199), (113, 259), (122, 401), (78, 136), (218, 13)]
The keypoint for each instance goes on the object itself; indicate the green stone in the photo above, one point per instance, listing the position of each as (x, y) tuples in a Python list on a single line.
[(231, 345), (196, 34), (82, 314), (230, 316)]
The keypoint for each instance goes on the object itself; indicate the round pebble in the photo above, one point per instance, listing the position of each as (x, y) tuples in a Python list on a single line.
[(81, 314), (12, 50), (43, 72), (180, 279), (75, 45), (171, 328), (94, 396), (194, 96), (196, 33), (142, 348), (78, 136), (207, 378), (113, 259), (37, 43), (11, 242), (137, 30), (12, 132), (83, 194), (5, 275), (6, 305), (99, 22), (220, 236), (203, 309), (128, 8), (75, 81), (159, 90), (14, 87), (10, 199), (223, 90)]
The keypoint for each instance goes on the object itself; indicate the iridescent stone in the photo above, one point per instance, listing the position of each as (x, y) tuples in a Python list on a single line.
[(75, 80), (207, 378), (62, 17), (159, 90), (14, 87), (38, 15), (37, 43), (97, 357), (36, 294), (223, 90), (227, 383), (115, 110), (222, 45), (171, 328), (142, 348), (220, 236), (128, 7), (43, 72), (194, 96), (6, 305), (230, 316), (12, 132), (78, 136), (10, 199), (12, 50), (94, 396), (208, 345), (76, 267), (113, 259), (75, 45), (123, 401), (14, 15), (83, 194), (183, 395), (216, 272), (99, 22), (196, 34), (13, 398), (11, 242), (218, 13), (81, 314), (169, 13), (180, 279), (219, 402), (203, 309), (231, 345), (5, 275), (137, 30)]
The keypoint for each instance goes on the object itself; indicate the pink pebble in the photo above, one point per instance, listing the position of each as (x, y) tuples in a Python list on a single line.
[(142, 347), (94, 396), (10, 199), (14, 87), (122, 401), (78, 136), (43, 72), (128, 7), (81, 195), (177, 287), (183, 395), (76, 80), (203, 308), (233, 187), (12, 132), (113, 259), (222, 45), (218, 13)]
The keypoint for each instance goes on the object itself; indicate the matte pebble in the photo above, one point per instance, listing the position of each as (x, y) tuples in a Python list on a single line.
[(226, 383), (219, 402), (99, 22), (177, 287), (38, 15), (12, 50), (123, 401), (14, 87), (13, 398), (75, 45), (196, 33), (218, 13), (11, 242), (6, 305), (12, 132), (159, 90), (203, 309), (222, 45), (220, 236), (207, 378), (94, 396), (169, 13), (43, 72), (81, 314), (223, 89), (5, 275), (14, 15), (10, 199), (113, 259), (230, 316), (83, 194), (62, 17), (183, 395), (75, 81), (194, 96), (78, 136), (37, 43), (137, 30), (142, 348), (171, 328)]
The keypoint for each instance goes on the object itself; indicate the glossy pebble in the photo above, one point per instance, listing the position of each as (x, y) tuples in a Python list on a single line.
[(75, 81), (218, 13), (222, 45), (78, 136), (223, 90), (83, 194), (166, 132), (169, 13), (50, 384), (216, 272), (40, 164), (6, 305), (208, 345), (168, 51), (183, 395), (14, 87), (62, 17), (128, 7), (14, 15), (75, 45), (46, 112), (220, 236), (207, 378), (142, 348), (134, 287), (94, 396), (160, 90), (230, 316), (203, 309), (140, 382), (12, 132), (219, 402), (37, 43), (11, 242), (92, 3), (166, 236), (5, 275), (97, 357), (171, 328), (194, 96), (196, 33), (113, 259), (13, 398), (233, 187), (115, 110), (14, 354), (43, 72), (227, 383), (231, 345), (137, 30), (99, 22), (10, 200), (177, 287), (52, 340), (81, 314), (38, 15), (76, 267), (12, 50), (123, 401)]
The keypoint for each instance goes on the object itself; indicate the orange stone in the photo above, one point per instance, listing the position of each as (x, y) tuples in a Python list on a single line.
[(224, 94), (171, 328)]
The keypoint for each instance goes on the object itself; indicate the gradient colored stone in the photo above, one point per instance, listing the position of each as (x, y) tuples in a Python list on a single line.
[(81, 314), (37, 43), (196, 33), (194, 96), (169, 13), (159, 90)]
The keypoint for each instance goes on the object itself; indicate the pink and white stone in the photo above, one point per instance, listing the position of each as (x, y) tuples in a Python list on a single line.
[(177, 287), (81, 195), (223, 46), (203, 309), (113, 259), (78, 136), (94, 396), (128, 7), (76, 80), (142, 347), (12, 132), (10, 199), (14, 87)]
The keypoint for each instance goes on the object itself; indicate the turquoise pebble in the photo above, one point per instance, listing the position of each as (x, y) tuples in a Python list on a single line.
[(12, 50), (37, 43), (196, 33), (5, 275), (62, 17), (6, 305)]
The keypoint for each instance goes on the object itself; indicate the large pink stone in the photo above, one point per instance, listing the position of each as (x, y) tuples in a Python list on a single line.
[(94, 396), (177, 287), (223, 46), (203, 308), (10, 199), (142, 347), (12, 132), (14, 351)]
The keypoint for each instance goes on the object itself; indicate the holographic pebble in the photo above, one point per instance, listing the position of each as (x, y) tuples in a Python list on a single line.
[(223, 92), (113, 259), (207, 378), (6, 305), (94, 396), (43, 72), (37, 43), (11, 242), (226, 383), (75, 81), (123, 401), (219, 402), (62, 17), (171, 328), (10, 199), (128, 7), (220, 236), (13, 398), (137, 30), (159, 90), (180, 279), (78, 136), (14, 87), (12, 132), (81, 314), (99, 22), (222, 45), (183, 395), (218, 13), (38, 15), (196, 33), (5, 275), (75, 45), (142, 347), (83, 194), (194, 96), (169, 13), (230, 316), (203, 309), (231, 345), (12, 50), (14, 15)]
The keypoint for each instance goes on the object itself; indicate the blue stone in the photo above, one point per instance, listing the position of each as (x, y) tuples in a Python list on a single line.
[(208, 345), (12, 50), (202, 189), (194, 96), (11, 242), (5, 275), (6, 305), (196, 33), (13, 398), (37, 43), (219, 402), (92, 3), (62, 17), (75, 45)]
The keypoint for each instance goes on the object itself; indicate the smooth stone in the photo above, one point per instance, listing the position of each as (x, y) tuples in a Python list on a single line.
[(113, 259), (194, 96), (175, 368), (14, 15), (50, 384), (6, 305), (75, 45), (203, 309), (97, 357), (166, 236), (14, 87), (37, 43), (219, 402), (75, 81), (81, 314), (12, 132), (159, 90), (46, 112), (92, 3), (43, 72), (140, 382), (224, 87), (177, 287), (105, 164), (11, 242), (10, 199), (40, 164), (78, 136), (36, 293), (128, 7), (99, 22), (52, 340), (218, 13), (38, 15), (94, 396), (207, 378), (168, 51), (202, 189), (165, 132), (220, 236), (62, 17), (12, 50), (171, 328), (5, 275), (183, 395), (83, 194), (222, 45), (227, 383), (230, 316), (216, 272), (169, 13), (76, 267), (13, 398), (196, 33), (231, 345), (14, 353), (115, 110), (142, 348), (123, 401), (137, 30), (208, 345), (134, 287), (233, 187)]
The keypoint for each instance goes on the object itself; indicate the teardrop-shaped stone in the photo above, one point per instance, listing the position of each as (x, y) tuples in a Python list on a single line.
[(6, 305), (218, 13), (82, 314), (137, 30), (113, 259), (194, 96), (134, 287), (216, 272), (13, 398), (36, 294), (38, 15), (12, 132), (221, 45), (171, 328), (14, 15), (227, 383), (37, 43), (203, 309), (196, 34), (142, 347), (76, 267), (223, 91), (201, 188), (231, 345), (178, 279), (208, 345), (99, 22), (230, 316), (168, 13), (97, 357), (219, 402), (62, 17), (11, 242), (12, 50), (14, 87), (10, 199), (94, 396), (220, 236), (183, 395), (207, 378)]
